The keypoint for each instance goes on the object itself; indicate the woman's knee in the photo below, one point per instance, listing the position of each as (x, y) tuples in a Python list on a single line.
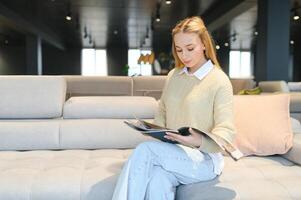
[(146, 146)]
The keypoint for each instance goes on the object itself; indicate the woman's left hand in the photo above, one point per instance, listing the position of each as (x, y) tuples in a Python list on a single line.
[(192, 140)]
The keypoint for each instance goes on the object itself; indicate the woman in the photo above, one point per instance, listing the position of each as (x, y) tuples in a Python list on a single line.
[(197, 94)]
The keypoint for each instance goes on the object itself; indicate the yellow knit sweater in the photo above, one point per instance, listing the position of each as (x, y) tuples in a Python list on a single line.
[(205, 104)]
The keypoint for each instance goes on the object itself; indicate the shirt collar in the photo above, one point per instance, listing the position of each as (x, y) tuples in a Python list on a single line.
[(201, 72)]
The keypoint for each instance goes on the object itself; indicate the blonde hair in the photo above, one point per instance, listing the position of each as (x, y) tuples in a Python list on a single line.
[(195, 25)]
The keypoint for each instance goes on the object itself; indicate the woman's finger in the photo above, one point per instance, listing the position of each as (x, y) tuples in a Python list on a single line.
[(193, 132)]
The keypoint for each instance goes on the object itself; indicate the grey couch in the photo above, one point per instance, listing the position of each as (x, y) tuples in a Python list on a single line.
[(52, 149)]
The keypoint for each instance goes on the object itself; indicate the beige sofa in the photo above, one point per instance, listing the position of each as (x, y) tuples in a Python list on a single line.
[(133, 86), (52, 149)]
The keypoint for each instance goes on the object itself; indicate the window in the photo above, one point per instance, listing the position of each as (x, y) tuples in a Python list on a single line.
[(134, 67), (94, 62), (240, 64)]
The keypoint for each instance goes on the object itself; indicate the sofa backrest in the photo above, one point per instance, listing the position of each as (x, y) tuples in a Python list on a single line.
[(273, 86), (99, 86), (87, 123), (241, 84), (130, 86), (148, 86), (31, 97)]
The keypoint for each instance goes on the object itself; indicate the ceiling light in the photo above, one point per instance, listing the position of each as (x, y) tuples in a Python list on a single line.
[(292, 42), (6, 41), (226, 44), (115, 32), (168, 2), (158, 19), (68, 16), (217, 47), (158, 13), (255, 33), (296, 16)]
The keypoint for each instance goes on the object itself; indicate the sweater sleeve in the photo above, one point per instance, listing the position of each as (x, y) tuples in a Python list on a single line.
[(223, 117), (160, 115)]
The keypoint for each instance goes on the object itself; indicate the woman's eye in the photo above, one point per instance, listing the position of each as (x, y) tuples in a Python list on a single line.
[(190, 49), (179, 51)]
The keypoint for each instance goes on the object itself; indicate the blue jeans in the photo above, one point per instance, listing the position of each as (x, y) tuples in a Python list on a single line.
[(155, 169)]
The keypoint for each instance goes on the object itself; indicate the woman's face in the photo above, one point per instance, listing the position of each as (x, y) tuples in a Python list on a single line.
[(190, 50)]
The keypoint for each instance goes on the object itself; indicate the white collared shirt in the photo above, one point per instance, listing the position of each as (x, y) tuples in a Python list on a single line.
[(217, 158)]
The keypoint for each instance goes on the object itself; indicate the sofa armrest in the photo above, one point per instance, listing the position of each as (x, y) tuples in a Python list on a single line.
[(294, 154)]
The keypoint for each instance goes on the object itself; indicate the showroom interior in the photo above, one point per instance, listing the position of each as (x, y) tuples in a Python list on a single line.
[(61, 37)]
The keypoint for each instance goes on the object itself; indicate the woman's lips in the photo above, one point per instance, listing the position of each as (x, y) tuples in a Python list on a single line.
[(186, 62)]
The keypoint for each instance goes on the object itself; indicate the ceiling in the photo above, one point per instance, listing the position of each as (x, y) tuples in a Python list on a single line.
[(103, 23)]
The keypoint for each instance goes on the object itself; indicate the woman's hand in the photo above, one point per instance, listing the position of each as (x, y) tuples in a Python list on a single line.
[(192, 140)]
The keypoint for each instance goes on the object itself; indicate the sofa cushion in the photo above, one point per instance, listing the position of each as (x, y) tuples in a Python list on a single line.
[(263, 124), (295, 102), (294, 154), (110, 107), (250, 178), (242, 84), (99, 85), (294, 86), (68, 134), (92, 175), (31, 96), (60, 175), (29, 134), (98, 134), (274, 86)]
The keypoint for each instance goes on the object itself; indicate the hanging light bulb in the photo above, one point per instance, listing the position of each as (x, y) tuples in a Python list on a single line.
[(296, 16), (168, 2), (158, 19), (69, 14)]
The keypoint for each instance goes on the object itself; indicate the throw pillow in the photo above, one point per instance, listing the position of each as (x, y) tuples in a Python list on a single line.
[(263, 124)]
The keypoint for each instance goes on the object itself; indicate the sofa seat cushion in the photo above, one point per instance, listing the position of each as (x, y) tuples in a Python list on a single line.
[(31, 96), (111, 107), (92, 175), (253, 177), (60, 175)]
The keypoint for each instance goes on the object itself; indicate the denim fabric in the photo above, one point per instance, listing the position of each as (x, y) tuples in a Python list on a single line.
[(155, 169)]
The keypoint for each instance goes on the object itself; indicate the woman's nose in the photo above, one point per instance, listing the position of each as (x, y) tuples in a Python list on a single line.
[(184, 54)]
